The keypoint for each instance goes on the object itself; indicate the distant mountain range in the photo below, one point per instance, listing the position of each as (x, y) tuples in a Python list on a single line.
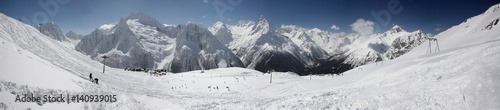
[(140, 41), (301, 50)]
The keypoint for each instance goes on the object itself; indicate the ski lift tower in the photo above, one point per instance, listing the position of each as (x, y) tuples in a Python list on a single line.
[(40, 27), (333, 71), (310, 75), (104, 63), (430, 46), (271, 72)]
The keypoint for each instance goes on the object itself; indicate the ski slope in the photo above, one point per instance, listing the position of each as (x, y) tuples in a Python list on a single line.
[(463, 75)]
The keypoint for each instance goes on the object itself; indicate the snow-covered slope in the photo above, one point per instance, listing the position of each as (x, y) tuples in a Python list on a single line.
[(22, 36), (475, 30), (20, 61), (140, 41), (32, 63), (463, 75), (52, 30)]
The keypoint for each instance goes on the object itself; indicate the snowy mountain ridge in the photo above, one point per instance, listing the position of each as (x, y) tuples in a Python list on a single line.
[(195, 43), (140, 41), (144, 19), (52, 30), (221, 32), (329, 42), (73, 35), (310, 46), (263, 47), (385, 46)]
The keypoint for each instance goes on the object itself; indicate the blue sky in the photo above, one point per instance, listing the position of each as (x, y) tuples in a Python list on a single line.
[(84, 16)]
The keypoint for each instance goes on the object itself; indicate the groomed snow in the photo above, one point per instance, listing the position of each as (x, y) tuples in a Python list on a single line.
[(19, 65)]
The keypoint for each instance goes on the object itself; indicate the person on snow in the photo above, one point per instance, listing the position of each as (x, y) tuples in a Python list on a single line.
[(90, 77), (96, 81)]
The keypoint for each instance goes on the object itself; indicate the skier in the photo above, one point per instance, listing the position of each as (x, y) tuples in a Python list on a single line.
[(96, 81), (90, 77)]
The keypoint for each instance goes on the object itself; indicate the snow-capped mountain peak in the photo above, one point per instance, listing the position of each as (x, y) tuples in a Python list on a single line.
[(396, 29), (217, 26), (256, 43), (245, 23), (140, 41), (262, 26), (263, 47), (73, 35), (388, 45), (121, 26), (221, 32), (52, 30), (262, 20), (196, 48), (144, 19)]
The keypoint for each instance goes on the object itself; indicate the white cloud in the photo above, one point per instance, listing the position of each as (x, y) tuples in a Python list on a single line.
[(204, 16), (437, 29), (363, 27), (107, 26), (206, 1), (334, 27)]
